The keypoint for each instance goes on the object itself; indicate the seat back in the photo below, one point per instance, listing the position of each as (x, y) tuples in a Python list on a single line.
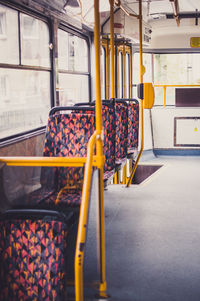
[(121, 120), (108, 116), (108, 120), (32, 255), (133, 124), (68, 136)]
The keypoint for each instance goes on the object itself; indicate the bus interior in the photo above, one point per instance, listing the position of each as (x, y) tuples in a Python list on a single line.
[(99, 150)]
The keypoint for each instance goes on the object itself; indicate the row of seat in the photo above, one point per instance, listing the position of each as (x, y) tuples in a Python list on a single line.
[(121, 124), (35, 231)]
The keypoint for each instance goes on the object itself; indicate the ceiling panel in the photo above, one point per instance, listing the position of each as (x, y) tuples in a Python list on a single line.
[(189, 5)]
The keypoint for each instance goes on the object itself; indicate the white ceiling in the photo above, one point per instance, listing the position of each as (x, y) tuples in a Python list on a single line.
[(164, 6), (151, 8)]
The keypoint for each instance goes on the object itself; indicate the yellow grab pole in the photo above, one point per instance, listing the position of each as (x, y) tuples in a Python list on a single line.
[(164, 90), (141, 101), (112, 62), (98, 106), (107, 70), (124, 72), (112, 49), (124, 174), (102, 286), (82, 226), (130, 70)]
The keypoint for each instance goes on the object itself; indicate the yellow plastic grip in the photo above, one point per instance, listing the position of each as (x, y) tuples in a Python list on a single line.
[(149, 95)]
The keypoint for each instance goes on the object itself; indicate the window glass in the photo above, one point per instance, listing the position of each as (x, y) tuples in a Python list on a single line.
[(147, 62), (9, 46), (63, 48), (72, 52), (73, 88), (35, 42), (175, 69), (103, 67), (25, 100)]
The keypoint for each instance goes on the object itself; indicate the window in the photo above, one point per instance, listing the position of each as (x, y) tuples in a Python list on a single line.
[(9, 39), (4, 90), (72, 52), (175, 69), (34, 42), (103, 73), (25, 105), (2, 25), (24, 91), (73, 88), (73, 68), (29, 27)]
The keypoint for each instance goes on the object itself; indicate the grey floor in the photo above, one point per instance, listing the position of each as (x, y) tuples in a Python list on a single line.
[(153, 235)]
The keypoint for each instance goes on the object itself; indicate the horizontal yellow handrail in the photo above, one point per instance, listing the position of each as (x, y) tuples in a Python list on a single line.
[(47, 161), (172, 86)]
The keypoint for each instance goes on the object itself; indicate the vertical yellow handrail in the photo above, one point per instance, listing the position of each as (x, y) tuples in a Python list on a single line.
[(131, 75), (98, 108), (124, 72), (112, 62), (141, 101), (165, 94), (97, 137), (82, 226), (112, 58)]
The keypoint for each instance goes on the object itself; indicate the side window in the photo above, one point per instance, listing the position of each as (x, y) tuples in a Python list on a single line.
[(147, 62), (25, 81), (9, 39), (34, 42), (73, 68), (2, 24), (175, 69)]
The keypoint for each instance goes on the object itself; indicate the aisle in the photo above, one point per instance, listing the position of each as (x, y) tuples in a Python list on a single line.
[(153, 235)]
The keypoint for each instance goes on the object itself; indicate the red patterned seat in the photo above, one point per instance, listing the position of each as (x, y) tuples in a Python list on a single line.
[(133, 125), (32, 255), (121, 141), (68, 136), (108, 119)]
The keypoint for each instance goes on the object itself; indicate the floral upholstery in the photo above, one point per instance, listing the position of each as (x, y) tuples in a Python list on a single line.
[(108, 120), (67, 136), (32, 259), (109, 138), (121, 116), (133, 125)]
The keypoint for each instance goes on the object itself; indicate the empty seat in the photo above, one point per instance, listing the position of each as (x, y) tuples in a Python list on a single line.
[(33, 255), (133, 125), (121, 142), (67, 136), (108, 120)]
